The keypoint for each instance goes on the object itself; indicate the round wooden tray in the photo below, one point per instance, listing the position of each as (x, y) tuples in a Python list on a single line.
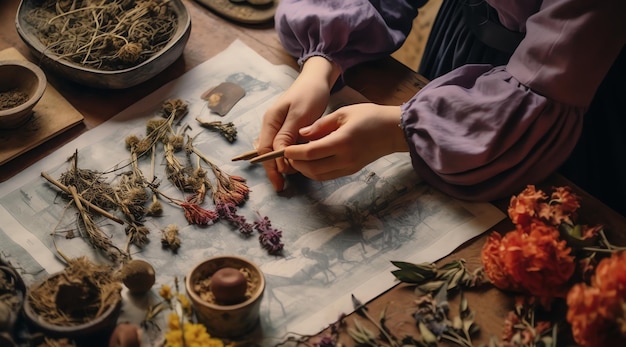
[(242, 12)]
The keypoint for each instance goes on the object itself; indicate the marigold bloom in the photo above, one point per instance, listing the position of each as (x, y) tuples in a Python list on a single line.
[(532, 259), (526, 205), (493, 264), (538, 260), (597, 312)]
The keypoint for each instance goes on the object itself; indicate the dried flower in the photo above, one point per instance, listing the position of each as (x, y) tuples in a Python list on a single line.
[(166, 292), (597, 312), (522, 329), (269, 237), (227, 130), (189, 334), (174, 107), (228, 211), (169, 237), (532, 259), (198, 215)]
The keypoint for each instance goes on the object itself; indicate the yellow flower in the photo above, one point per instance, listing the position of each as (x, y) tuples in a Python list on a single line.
[(192, 335), (185, 304), (166, 292)]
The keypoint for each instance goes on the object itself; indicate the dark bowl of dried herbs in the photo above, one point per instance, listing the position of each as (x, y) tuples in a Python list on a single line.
[(107, 44), (22, 85)]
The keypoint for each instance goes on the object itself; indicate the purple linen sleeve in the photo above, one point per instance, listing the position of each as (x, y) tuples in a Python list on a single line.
[(347, 32), (481, 133)]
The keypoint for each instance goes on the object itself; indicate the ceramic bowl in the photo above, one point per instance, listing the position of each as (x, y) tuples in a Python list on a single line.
[(232, 320), (106, 79), (26, 79), (99, 328), (12, 293)]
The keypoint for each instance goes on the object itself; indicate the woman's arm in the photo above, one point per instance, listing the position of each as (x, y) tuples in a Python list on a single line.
[(347, 32), (481, 133)]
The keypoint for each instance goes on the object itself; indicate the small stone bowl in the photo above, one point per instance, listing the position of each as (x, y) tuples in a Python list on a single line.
[(226, 320), (23, 78)]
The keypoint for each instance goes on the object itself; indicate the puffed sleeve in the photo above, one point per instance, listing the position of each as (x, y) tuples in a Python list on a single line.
[(344, 31), (483, 132)]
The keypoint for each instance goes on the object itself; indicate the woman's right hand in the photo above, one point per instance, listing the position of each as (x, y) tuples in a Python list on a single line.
[(302, 104)]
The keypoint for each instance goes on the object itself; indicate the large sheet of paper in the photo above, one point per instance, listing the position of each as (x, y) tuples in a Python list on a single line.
[(339, 235)]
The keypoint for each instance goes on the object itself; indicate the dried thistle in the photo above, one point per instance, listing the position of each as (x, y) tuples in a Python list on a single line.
[(169, 237), (176, 107), (137, 235)]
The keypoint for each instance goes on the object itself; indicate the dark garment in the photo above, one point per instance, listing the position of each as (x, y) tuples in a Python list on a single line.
[(598, 163), (451, 44)]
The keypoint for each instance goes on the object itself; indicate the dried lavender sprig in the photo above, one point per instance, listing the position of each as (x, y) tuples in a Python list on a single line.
[(269, 237), (228, 211)]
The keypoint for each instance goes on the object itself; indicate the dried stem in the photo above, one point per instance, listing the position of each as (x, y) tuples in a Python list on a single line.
[(83, 200)]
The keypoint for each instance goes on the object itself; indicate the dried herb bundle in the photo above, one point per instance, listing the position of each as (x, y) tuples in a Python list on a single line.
[(107, 35)]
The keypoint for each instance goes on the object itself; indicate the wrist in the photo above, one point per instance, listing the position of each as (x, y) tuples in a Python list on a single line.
[(319, 66), (395, 132)]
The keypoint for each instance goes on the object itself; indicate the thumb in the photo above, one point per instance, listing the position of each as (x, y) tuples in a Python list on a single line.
[(320, 128)]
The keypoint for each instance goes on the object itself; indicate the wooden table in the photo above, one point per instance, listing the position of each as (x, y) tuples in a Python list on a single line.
[(393, 84)]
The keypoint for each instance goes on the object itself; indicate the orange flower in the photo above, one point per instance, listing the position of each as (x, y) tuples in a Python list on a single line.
[(493, 264), (526, 205), (560, 208), (563, 206), (532, 259), (537, 259), (597, 312)]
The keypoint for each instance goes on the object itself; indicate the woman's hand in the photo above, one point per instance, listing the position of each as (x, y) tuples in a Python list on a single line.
[(346, 140), (303, 103)]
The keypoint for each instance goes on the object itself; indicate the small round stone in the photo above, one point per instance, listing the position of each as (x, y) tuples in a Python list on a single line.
[(229, 286), (138, 276)]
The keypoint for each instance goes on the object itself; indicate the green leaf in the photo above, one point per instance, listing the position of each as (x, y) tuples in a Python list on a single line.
[(423, 268), (427, 335), (429, 287), (454, 281), (408, 276)]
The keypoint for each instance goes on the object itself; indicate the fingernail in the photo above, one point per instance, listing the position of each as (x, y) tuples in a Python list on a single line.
[(306, 129)]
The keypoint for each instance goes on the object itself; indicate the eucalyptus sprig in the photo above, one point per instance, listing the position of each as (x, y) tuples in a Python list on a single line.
[(429, 278)]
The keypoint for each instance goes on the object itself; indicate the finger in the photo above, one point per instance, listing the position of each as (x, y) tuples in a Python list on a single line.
[(325, 169), (272, 122), (274, 176), (321, 127)]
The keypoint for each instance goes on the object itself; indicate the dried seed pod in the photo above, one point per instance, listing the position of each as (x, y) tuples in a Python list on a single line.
[(138, 276)]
